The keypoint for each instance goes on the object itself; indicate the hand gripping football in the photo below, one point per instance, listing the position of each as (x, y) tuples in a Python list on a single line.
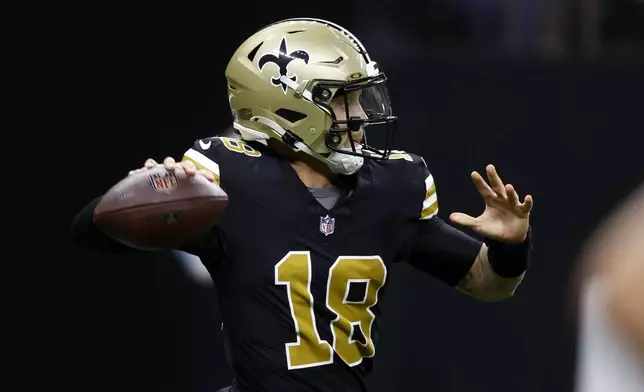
[(160, 209)]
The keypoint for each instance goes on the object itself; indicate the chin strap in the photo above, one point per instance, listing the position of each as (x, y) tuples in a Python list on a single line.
[(338, 162), (251, 134)]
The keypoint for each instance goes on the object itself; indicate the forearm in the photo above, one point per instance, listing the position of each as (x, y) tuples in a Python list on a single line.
[(86, 236), (624, 301), (482, 282)]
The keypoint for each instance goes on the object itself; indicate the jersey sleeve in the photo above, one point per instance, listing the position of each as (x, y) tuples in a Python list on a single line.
[(227, 158), (430, 202), (205, 156), (435, 247), (416, 183)]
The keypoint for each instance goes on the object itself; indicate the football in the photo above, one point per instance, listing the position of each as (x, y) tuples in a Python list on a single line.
[(160, 209)]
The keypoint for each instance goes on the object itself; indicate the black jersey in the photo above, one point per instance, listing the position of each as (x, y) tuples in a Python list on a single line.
[(299, 284)]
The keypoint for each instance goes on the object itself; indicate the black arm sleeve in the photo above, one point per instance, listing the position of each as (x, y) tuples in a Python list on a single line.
[(87, 237), (442, 250)]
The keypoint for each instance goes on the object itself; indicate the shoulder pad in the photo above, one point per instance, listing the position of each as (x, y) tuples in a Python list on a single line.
[(412, 170), (213, 152)]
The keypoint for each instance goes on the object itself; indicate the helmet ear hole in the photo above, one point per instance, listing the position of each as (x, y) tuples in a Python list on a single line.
[(332, 139), (290, 115), (321, 94)]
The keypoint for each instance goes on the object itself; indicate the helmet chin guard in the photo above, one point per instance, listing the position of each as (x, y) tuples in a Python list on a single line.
[(339, 162), (345, 163)]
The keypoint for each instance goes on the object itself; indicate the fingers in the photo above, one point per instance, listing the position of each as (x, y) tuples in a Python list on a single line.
[(513, 197), (495, 181), (150, 163), (191, 170), (208, 174), (483, 188), (463, 219), (188, 167), (169, 164), (528, 202)]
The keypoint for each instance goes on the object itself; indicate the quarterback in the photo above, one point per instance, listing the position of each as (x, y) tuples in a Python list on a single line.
[(317, 215)]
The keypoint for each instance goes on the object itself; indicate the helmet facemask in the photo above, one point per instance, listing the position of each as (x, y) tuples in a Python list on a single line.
[(365, 104)]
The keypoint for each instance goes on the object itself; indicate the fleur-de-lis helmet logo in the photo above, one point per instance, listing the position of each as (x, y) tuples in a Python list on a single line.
[(282, 60)]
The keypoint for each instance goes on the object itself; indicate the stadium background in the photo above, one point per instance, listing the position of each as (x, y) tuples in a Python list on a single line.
[(550, 94)]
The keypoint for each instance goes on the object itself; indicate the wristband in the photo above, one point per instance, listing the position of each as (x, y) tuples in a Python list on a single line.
[(509, 260)]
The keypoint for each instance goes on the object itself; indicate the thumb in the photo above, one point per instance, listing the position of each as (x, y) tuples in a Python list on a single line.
[(463, 219)]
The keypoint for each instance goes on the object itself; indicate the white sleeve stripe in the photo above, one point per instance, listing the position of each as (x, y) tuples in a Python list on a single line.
[(429, 181), (203, 160), (430, 205), (430, 201)]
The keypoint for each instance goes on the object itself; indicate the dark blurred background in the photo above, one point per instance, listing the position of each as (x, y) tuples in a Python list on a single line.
[(550, 91)]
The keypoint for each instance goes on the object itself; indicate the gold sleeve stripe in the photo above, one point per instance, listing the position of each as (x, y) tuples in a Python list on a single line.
[(202, 162), (430, 201), (429, 182), (429, 212), (430, 205), (431, 191)]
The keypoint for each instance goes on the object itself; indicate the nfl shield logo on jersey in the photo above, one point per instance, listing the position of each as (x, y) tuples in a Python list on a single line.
[(327, 225), (165, 182)]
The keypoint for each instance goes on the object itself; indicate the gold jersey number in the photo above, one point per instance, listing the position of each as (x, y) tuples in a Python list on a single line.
[(239, 146), (308, 350)]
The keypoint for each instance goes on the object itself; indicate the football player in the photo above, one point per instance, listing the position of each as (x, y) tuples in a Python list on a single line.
[(317, 216), (611, 307)]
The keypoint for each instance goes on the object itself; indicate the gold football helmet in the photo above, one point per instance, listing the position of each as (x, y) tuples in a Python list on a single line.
[(310, 84)]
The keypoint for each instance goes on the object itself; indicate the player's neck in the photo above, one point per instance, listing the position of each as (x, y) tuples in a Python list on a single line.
[(311, 177)]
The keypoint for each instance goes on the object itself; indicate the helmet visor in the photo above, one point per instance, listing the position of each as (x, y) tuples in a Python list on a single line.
[(371, 103)]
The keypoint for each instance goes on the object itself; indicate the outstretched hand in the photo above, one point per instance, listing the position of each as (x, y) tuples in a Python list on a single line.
[(505, 218)]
